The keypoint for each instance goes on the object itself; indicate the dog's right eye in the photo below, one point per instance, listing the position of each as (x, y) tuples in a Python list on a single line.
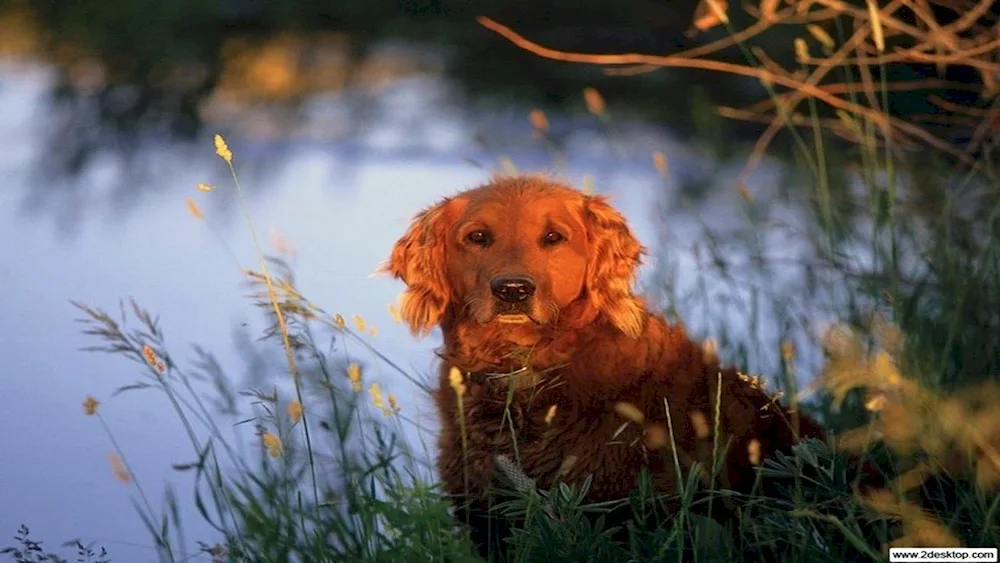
[(479, 238)]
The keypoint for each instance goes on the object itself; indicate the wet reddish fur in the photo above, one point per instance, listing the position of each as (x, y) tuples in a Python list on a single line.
[(602, 348)]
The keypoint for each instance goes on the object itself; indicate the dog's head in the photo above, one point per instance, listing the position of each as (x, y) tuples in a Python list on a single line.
[(524, 252)]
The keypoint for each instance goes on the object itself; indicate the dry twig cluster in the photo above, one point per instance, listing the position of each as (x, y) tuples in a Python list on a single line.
[(876, 35)]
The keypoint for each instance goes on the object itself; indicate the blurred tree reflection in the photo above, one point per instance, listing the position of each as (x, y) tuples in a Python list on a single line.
[(133, 72)]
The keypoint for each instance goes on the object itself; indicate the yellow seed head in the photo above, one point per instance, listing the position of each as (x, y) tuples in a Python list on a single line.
[(753, 450), (359, 322), (700, 423), (588, 184), (149, 354), (394, 313), (656, 436), (151, 358), (538, 120), (710, 13), (354, 375), (281, 244), (118, 467), (801, 50), (876, 402), (884, 370), (338, 320), (629, 411), (90, 406), (821, 35), (272, 443), (222, 149), (204, 187), (787, 350), (376, 394), (660, 162), (710, 349), (455, 380), (752, 380), (373, 331), (507, 166), (193, 209), (294, 409), (392, 403), (567, 463), (594, 101), (551, 414)]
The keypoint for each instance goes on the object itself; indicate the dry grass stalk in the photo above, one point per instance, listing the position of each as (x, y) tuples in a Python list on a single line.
[(917, 37)]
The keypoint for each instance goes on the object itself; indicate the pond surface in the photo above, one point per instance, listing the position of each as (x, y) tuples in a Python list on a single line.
[(340, 203)]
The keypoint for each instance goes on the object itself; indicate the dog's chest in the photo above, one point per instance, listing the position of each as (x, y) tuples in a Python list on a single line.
[(551, 435)]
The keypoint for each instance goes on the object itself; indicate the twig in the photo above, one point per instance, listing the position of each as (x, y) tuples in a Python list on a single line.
[(721, 66)]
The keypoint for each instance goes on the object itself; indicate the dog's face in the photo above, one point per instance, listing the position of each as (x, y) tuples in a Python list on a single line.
[(520, 252), (517, 259)]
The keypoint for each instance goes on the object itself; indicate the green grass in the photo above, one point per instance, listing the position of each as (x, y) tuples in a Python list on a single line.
[(908, 379)]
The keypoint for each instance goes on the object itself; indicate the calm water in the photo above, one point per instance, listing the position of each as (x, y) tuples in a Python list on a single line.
[(341, 203)]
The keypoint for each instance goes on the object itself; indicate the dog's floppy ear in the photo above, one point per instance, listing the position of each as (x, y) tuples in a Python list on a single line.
[(615, 254), (418, 259)]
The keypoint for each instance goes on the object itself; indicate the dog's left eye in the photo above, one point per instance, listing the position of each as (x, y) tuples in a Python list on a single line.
[(479, 238), (552, 237)]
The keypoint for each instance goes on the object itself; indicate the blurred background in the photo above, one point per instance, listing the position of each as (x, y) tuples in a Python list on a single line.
[(345, 119)]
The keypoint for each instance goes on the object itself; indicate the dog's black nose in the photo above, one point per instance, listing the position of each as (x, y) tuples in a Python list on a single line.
[(512, 289)]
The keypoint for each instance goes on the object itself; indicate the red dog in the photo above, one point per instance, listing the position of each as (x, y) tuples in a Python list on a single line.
[(559, 365)]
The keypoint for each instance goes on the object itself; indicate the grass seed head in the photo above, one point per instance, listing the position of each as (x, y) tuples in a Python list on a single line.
[(90, 406), (354, 375), (660, 162), (394, 313), (118, 468), (630, 411), (821, 35), (376, 392), (550, 414), (294, 409), (538, 120), (272, 443), (594, 101), (710, 349), (152, 359), (700, 422), (656, 436), (456, 382), (359, 323), (753, 451), (193, 209), (222, 149), (801, 50)]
